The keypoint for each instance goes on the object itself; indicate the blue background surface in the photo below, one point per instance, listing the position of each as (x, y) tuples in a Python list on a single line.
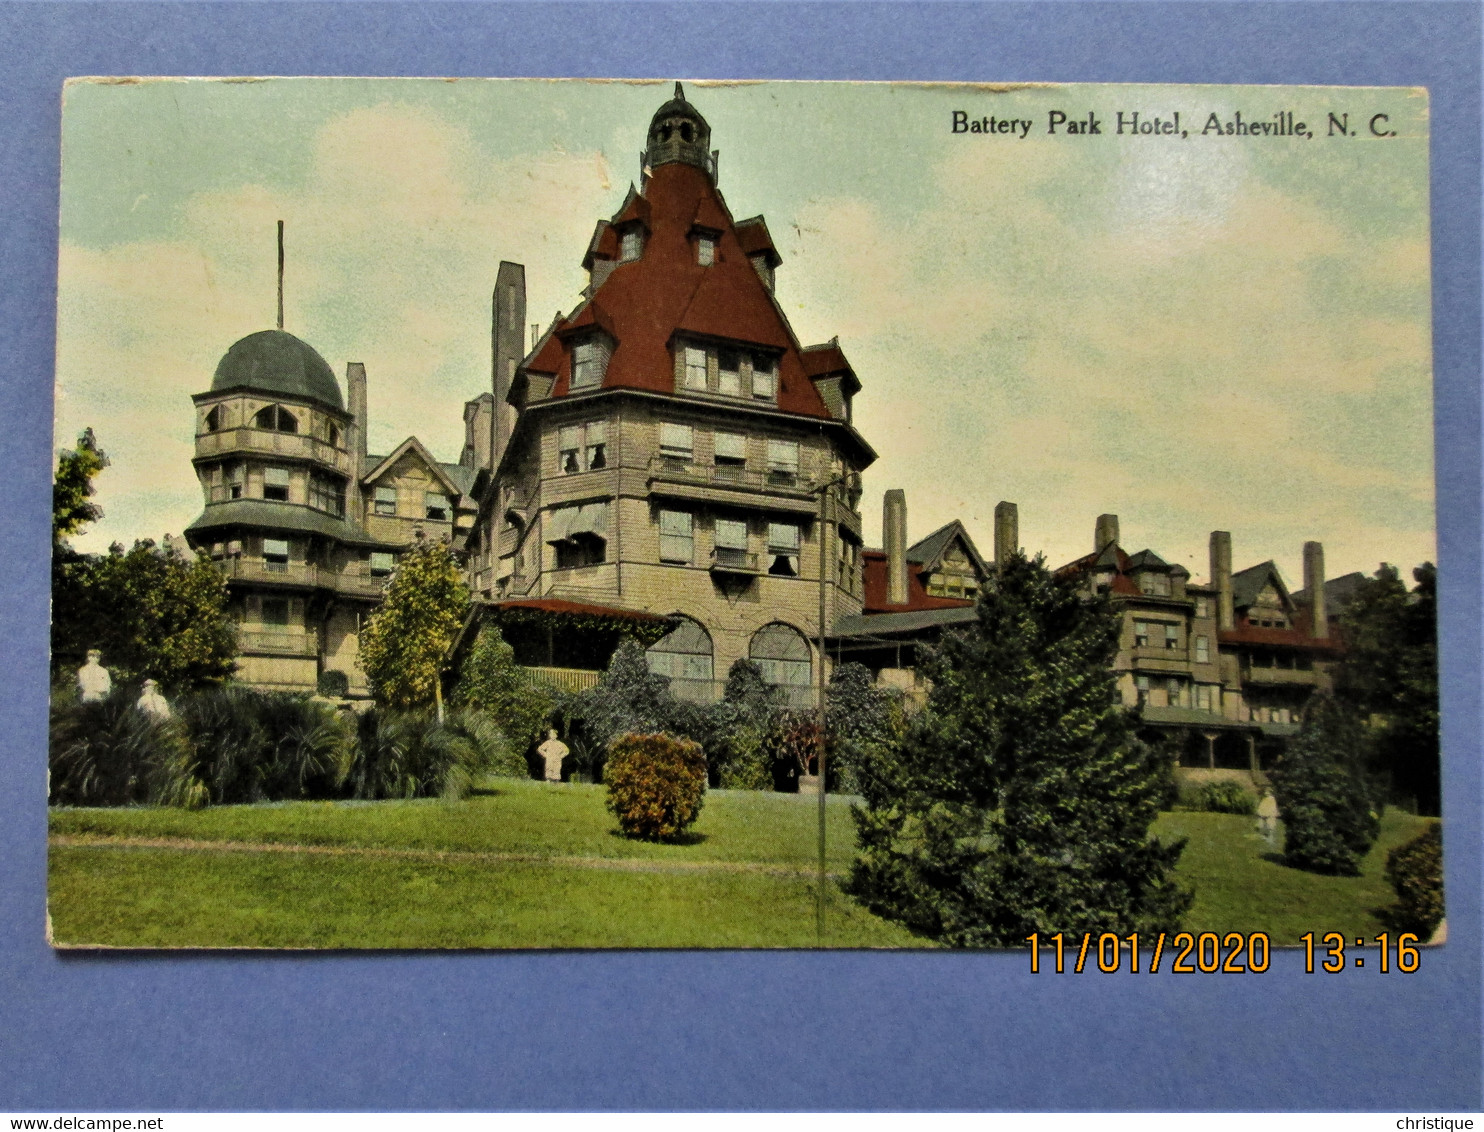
[(790, 1030)]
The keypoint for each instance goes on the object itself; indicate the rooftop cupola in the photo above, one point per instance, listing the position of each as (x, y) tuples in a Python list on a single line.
[(679, 135)]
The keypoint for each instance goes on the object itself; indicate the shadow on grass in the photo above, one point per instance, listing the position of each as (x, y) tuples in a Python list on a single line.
[(484, 792), (689, 837)]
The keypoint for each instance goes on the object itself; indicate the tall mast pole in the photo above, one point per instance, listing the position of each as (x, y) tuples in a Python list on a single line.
[(280, 275)]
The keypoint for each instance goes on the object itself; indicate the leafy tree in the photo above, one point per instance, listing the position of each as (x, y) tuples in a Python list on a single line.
[(1390, 674), (1324, 799), (1019, 800), (403, 642), (72, 489), (151, 612), (1415, 873), (492, 682)]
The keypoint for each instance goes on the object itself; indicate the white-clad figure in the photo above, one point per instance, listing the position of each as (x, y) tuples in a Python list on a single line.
[(151, 702), (1267, 817), (93, 681), (553, 751)]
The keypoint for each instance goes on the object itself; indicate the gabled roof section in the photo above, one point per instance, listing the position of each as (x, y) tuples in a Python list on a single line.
[(634, 208), (1147, 560), (828, 360), (1248, 583), (755, 239), (668, 291), (928, 553), (874, 569), (603, 245), (414, 445)]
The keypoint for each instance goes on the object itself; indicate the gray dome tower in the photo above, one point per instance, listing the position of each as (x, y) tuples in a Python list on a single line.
[(679, 135)]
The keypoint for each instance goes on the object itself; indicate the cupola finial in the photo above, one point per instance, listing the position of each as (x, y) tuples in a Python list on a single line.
[(679, 92), (678, 134)]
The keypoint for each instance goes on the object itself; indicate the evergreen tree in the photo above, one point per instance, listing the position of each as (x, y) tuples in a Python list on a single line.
[(861, 719), (1019, 801), (1390, 673), (404, 641), (629, 698), (739, 723), (1324, 799)]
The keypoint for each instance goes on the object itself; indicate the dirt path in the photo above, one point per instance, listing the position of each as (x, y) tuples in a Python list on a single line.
[(452, 856)]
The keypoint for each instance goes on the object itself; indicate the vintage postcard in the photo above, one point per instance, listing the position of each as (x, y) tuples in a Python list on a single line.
[(537, 514)]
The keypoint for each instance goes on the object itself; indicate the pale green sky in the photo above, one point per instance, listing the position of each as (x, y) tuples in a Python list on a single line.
[(1194, 333)]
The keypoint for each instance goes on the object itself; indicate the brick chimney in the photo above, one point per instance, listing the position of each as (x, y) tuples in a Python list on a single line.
[(1107, 532), (894, 534), (507, 348), (1006, 531), (1221, 578), (1314, 584), (355, 387)]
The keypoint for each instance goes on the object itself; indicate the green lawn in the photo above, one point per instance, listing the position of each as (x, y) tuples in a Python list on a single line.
[(526, 864)]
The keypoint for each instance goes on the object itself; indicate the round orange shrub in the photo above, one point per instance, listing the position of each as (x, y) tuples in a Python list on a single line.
[(655, 784)]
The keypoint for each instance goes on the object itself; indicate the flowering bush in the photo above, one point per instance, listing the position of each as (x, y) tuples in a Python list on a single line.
[(655, 784)]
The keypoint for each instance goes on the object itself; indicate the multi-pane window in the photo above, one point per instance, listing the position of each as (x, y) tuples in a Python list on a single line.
[(569, 449), (587, 365), (632, 245), (677, 443), (276, 484), (275, 554), (783, 461), (275, 418), (1141, 688), (1172, 692), (1205, 700), (729, 372), (1203, 607), (677, 539), (764, 378), (695, 368), (1202, 650), (731, 455), (583, 448), (382, 562), (783, 549), (705, 251), (1155, 585), (384, 502), (1172, 635), (235, 476), (1141, 634), (437, 507), (326, 493), (731, 542), (848, 555)]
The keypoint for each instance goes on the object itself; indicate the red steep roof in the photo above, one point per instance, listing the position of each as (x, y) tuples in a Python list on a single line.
[(647, 300), (874, 562), (756, 240)]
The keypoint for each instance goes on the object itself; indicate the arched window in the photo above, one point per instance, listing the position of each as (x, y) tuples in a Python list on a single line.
[(783, 655), (332, 432), (275, 418), (684, 655), (214, 419)]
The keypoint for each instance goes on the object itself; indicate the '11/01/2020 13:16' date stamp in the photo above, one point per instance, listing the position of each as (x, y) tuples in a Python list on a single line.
[(1209, 953)]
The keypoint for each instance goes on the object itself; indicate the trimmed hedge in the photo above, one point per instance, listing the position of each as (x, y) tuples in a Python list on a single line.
[(1225, 798), (1415, 872), (656, 784)]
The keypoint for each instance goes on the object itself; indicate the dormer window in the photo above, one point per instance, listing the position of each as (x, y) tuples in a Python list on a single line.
[(631, 246), (705, 251), (764, 378), (589, 359), (729, 372), (275, 418), (695, 368)]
